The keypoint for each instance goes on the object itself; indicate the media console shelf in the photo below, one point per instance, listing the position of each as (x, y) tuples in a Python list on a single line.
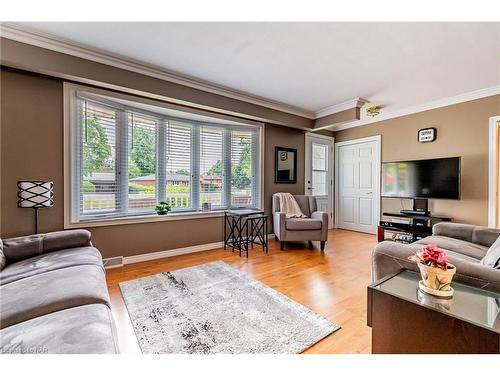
[(414, 227)]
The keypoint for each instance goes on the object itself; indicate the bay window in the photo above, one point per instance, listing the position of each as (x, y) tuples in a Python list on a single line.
[(126, 157)]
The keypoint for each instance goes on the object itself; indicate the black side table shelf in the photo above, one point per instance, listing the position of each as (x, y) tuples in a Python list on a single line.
[(244, 228)]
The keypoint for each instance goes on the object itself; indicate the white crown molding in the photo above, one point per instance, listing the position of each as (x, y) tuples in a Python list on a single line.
[(461, 98), (25, 35), (43, 40), (348, 104)]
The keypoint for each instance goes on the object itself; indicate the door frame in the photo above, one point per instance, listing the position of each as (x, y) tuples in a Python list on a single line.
[(493, 171), (378, 154), (331, 167)]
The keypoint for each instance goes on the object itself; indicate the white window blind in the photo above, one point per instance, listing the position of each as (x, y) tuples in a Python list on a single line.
[(178, 165), (98, 180), (126, 160), (242, 168), (141, 181), (211, 172)]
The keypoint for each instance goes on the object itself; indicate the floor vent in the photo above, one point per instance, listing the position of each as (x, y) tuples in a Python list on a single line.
[(113, 262)]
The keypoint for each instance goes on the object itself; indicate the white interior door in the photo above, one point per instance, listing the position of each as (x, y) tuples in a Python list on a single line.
[(358, 184), (319, 172)]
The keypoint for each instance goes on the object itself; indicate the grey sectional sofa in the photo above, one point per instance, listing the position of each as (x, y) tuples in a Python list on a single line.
[(53, 296), (474, 250)]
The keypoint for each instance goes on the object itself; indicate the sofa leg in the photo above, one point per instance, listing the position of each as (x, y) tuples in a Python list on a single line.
[(322, 245), (282, 245)]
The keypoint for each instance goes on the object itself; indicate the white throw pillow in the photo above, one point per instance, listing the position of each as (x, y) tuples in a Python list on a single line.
[(492, 257)]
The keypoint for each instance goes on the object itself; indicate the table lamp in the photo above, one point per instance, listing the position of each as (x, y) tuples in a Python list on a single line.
[(35, 195)]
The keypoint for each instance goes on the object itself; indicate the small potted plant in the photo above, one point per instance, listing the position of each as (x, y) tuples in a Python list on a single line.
[(163, 208), (436, 272)]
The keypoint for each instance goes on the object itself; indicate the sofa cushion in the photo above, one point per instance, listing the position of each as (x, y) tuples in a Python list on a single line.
[(2, 256), (458, 246), (492, 257), (485, 236), (16, 249), (302, 224), (454, 230), (83, 329), (49, 262), (52, 291)]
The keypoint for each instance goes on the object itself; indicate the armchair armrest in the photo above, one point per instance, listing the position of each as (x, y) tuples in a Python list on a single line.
[(323, 216), (279, 219), (16, 249)]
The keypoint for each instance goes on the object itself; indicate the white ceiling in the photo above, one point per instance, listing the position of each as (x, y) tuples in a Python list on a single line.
[(310, 65)]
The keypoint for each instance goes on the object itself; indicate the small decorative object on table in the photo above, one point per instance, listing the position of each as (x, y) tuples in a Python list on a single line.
[(436, 272), (163, 208)]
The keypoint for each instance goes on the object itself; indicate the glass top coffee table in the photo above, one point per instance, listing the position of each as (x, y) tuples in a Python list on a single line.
[(406, 320), (468, 303)]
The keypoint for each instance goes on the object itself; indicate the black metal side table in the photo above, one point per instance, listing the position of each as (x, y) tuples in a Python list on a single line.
[(256, 226), (236, 229)]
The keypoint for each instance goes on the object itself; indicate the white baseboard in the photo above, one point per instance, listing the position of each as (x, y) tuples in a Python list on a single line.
[(171, 253)]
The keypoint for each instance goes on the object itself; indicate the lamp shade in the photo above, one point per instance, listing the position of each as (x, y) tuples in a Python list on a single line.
[(35, 194)]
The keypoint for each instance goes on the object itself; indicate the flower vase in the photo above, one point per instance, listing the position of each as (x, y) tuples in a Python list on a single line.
[(437, 281)]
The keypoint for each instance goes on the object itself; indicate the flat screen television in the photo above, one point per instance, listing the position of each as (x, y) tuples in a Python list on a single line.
[(431, 178)]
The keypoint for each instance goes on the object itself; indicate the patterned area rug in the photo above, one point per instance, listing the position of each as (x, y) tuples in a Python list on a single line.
[(214, 308)]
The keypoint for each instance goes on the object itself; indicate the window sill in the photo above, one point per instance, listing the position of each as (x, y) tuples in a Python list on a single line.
[(153, 218)]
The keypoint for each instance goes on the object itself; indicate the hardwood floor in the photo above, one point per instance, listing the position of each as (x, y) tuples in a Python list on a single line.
[(332, 284)]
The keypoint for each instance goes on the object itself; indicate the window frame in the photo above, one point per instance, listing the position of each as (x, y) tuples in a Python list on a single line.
[(72, 161)]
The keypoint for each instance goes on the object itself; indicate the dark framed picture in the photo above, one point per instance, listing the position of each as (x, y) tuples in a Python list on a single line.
[(285, 165)]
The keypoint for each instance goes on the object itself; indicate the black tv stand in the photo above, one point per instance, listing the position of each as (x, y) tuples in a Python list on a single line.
[(415, 226)]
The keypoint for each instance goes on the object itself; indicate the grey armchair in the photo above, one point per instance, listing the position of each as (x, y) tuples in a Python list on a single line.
[(312, 228)]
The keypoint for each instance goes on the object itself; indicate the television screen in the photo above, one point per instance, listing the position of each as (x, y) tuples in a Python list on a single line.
[(432, 178)]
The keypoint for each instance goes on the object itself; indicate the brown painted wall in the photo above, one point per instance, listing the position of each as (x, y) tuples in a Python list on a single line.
[(35, 59), (291, 138), (32, 136), (462, 130), (32, 148)]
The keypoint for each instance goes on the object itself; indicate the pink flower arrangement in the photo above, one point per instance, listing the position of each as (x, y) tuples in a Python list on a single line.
[(432, 256)]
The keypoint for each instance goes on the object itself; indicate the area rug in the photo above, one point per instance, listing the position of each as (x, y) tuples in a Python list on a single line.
[(214, 308)]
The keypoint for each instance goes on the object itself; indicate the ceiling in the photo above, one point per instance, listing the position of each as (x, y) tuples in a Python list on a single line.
[(310, 66)]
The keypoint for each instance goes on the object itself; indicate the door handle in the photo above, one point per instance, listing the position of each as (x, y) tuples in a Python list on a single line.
[(310, 188), (369, 193)]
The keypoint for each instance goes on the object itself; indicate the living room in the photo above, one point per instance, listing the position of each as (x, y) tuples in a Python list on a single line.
[(153, 201)]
